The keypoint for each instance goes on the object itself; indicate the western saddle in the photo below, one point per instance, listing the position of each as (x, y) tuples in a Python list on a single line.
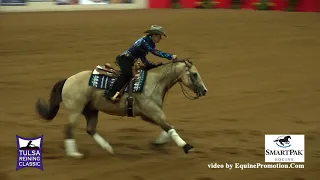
[(110, 71)]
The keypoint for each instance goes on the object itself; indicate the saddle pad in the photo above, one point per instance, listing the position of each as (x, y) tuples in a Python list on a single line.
[(102, 81)]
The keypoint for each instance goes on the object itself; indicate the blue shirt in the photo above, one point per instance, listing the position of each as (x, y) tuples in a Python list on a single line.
[(142, 47)]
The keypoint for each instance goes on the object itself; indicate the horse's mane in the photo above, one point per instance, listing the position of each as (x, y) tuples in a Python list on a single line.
[(176, 61), (164, 65), (183, 60)]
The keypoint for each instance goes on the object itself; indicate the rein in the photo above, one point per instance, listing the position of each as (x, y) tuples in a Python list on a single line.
[(183, 88), (184, 91)]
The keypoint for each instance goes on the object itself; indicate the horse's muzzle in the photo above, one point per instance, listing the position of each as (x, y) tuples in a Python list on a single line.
[(201, 92), (204, 92)]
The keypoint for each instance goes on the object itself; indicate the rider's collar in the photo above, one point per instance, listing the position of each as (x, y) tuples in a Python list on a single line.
[(149, 38)]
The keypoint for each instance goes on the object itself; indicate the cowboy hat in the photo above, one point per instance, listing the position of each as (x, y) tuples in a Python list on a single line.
[(155, 29)]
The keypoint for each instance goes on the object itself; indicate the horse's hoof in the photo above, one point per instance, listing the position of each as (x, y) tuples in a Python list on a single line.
[(109, 150), (76, 155), (188, 148)]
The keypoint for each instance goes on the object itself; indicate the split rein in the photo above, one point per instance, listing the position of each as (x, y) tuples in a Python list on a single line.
[(183, 88)]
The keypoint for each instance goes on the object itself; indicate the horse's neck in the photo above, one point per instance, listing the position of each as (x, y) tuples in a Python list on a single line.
[(168, 77)]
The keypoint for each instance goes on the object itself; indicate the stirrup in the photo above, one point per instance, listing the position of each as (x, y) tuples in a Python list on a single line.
[(114, 98)]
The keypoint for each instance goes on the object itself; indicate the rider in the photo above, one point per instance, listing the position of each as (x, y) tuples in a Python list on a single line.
[(139, 49)]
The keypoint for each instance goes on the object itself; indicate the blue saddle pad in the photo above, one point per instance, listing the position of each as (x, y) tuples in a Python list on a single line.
[(102, 81)]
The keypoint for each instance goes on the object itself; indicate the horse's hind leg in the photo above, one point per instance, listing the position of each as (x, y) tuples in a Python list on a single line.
[(70, 143), (92, 121), (163, 137)]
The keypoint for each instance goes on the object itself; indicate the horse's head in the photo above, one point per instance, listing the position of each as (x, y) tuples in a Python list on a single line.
[(191, 78)]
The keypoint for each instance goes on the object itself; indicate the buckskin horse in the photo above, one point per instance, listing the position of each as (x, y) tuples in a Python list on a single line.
[(82, 94)]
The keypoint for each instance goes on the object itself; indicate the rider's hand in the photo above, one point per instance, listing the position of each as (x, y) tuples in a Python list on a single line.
[(174, 57)]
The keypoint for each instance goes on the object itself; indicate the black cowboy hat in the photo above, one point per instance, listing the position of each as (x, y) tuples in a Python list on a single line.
[(155, 29)]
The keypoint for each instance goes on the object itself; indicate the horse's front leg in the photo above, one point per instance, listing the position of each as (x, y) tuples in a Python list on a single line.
[(155, 114)]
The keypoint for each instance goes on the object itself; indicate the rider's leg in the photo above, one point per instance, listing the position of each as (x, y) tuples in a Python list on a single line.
[(125, 64)]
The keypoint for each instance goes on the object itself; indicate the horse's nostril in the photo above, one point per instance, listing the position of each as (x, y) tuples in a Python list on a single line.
[(204, 92)]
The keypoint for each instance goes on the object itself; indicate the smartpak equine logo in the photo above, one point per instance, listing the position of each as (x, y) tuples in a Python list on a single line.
[(284, 148), (29, 152), (283, 141)]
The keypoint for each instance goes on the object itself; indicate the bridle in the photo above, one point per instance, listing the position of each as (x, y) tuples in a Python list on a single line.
[(189, 65)]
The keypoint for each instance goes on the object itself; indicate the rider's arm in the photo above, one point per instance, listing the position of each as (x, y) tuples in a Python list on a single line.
[(145, 61), (157, 52)]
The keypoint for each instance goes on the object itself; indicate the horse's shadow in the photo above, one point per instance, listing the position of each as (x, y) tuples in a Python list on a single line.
[(51, 154), (161, 148), (130, 151)]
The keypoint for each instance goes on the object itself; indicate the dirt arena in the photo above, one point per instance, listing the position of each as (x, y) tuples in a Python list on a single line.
[(261, 70)]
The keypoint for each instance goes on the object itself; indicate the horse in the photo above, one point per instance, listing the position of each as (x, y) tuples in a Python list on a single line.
[(283, 140), (81, 99)]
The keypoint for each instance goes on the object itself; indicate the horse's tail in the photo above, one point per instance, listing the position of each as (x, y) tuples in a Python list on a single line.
[(276, 140), (49, 111)]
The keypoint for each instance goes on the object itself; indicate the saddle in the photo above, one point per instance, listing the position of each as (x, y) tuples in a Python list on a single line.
[(110, 71)]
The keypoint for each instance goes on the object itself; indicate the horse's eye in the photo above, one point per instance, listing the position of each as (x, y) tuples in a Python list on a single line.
[(195, 75)]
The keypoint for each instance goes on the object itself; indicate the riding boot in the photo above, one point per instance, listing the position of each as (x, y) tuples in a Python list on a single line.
[(125, 64), (109, 94), (114, 92)]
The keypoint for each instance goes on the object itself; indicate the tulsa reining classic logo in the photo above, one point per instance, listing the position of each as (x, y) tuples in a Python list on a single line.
[(29, 152)]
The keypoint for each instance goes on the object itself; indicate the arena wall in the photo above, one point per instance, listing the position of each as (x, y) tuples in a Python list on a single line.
[(51, 6), (280, 5), (81, 5)]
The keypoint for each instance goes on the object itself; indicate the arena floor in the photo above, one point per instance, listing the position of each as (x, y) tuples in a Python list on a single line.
[(261, 69)]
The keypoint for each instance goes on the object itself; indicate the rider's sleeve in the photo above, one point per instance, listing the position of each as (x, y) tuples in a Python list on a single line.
[(145, 61), (157, 52)]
